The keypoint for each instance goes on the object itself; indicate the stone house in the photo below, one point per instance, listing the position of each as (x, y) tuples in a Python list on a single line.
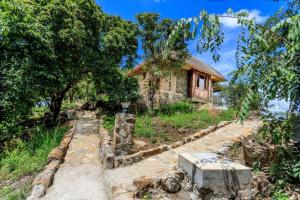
[(195, 81)]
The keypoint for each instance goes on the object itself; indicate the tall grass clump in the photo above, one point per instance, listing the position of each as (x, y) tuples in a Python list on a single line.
[(178, 107), (25, 157)]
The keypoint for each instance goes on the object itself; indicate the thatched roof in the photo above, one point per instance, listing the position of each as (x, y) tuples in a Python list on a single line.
[(191, 63)]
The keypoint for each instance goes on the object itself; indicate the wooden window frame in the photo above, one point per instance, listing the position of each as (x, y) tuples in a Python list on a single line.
[(204, 78)]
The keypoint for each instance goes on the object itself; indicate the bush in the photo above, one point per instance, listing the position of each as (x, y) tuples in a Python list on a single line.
[(178, 107), (31, 156)]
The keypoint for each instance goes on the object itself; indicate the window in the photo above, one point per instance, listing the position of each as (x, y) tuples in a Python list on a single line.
[(201, 82), (144, 75)]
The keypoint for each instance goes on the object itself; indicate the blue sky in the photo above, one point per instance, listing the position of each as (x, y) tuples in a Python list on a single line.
[(176, 9)]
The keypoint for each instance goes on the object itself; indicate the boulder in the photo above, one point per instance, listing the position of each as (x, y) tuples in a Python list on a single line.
[(170, 183), (87, 106), (62, 118), (143, 183), (71, 114), (48, 119), (254, 152)]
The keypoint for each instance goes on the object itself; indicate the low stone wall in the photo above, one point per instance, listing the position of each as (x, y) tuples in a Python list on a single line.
[(130, 159), (106, 151), (45, 178)]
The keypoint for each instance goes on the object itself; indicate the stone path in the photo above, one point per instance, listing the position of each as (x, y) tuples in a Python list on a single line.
[(79, 177), (118, 181)]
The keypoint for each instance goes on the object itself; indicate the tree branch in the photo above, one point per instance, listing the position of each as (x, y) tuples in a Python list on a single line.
[(260, 26)]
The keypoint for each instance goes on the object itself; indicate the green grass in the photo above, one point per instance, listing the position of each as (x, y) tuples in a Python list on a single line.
[(9, 194), (27, 157), (196, 120), (38, 112), (145, 125)]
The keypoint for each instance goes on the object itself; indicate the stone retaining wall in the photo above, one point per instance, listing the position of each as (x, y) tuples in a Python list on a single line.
[(106, 151), (130, 159), (45, 178)]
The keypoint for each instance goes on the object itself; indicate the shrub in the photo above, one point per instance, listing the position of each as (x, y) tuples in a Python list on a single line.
[(178, 107), (31, 156)]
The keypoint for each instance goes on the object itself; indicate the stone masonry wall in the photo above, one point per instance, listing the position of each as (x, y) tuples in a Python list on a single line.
[(123, 133), (172, 88)]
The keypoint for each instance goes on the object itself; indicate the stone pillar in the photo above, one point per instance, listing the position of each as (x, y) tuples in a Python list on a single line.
[(123, 133)]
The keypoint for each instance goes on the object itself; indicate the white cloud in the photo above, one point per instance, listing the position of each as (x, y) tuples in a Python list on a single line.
[(253, 14)]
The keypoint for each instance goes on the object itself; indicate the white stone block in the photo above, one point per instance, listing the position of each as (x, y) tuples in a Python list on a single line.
[(207, 171)]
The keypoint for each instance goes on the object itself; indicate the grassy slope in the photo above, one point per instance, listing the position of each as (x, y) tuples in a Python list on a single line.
[(28, 157), (146, 126)]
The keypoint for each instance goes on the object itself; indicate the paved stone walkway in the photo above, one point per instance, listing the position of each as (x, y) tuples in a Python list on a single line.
[(118, 181), (79, 177)]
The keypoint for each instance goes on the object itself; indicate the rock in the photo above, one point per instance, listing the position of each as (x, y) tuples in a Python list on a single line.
[(253, 152), (71, 114), (65, 143), (180, 174), (87, 106), (151, 152), (246, 194), (170, 183), (62, 118), (91, 108), (37, 192), (48, 119), (44, 178), (139, 144), (176, 144), (143, 183), (56, 154), (183, 130), (53, 165)]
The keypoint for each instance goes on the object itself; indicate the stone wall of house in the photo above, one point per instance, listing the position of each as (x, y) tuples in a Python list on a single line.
[(172, 88)]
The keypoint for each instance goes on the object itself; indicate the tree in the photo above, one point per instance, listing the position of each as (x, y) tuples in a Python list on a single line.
[(153, 33), (22, 49), (267, 55), (52, 45), (118, 52), (234, 93)]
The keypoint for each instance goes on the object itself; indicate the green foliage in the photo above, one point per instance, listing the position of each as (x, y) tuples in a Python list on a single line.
[(21, 158), (280, 195), (47, 47), (9, 194), (279, 130), (159, 60), (68, 106), (235, 93), (286, 166), (178, 107), (118, 87), (267, 55)]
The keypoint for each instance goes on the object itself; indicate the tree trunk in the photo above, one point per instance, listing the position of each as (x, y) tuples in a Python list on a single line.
[(55, 106)]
